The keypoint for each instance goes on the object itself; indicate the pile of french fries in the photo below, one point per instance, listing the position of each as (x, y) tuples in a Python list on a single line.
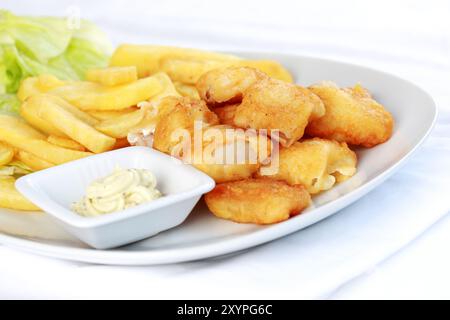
[(62, 121), (186, 66)]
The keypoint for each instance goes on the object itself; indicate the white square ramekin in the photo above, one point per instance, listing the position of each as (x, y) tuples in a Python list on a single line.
[(55, 189)]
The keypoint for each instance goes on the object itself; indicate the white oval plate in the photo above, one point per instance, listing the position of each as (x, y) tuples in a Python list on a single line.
[(202, 235)]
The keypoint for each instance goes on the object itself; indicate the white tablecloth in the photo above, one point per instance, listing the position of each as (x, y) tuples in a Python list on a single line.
[(353, 254)]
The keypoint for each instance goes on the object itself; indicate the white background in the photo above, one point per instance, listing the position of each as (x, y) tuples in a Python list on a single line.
[(392, 244)]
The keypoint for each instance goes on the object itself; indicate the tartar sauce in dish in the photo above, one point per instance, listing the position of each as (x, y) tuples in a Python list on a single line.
[(123, 189)]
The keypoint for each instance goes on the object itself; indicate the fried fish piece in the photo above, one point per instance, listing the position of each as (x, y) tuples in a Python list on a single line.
[(229, 154), (180, 113), (227, 85), (352, 116), (276, 105), (259, 201), (270, 67), (186, 90), (226, 114), (315, 163)]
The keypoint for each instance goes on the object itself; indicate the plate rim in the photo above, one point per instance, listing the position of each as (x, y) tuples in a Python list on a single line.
[(219, 248)]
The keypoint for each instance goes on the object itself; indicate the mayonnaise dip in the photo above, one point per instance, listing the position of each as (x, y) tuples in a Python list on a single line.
[(123, 189)]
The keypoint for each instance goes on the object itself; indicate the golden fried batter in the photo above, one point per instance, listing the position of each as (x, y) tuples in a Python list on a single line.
[(227, 172), (226, 85), (316, 163), (277, 105), (180, 113), (352, 116), (226, 114), (228, 154), (318, 110), (260, 201)]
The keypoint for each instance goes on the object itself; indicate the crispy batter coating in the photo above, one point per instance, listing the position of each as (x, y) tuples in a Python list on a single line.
[(180, 113), (228, 172), (227, 85), (228, 154), (277, 105), (260, 201), (226, 114), (318, 110), (316, 163), (352, 116)]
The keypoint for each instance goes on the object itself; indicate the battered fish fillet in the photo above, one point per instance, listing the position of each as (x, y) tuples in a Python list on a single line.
[(227, 85), (315, 163), (260, 201), (276, 105), (352, 116), (180, 113), (228, 154), (226, 114)]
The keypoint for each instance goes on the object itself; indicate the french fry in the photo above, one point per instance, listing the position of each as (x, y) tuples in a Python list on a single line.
[(35, 85), (31, 113), (11, 198), (15, 167), (52, 109), (148, 58), (20, 135), (52, 153), (189, 71), (94, 96), (120, 126), (112, 76), (186, 90), (14, 124), (33, 162), (6, 154), (27, 88), (81, 115), (167, 84), (187, 65), (65, 143), (48, 82), (110, 114)]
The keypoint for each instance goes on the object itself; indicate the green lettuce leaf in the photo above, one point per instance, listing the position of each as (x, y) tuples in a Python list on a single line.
[(31, 46), (9, 104), (39, 38)]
